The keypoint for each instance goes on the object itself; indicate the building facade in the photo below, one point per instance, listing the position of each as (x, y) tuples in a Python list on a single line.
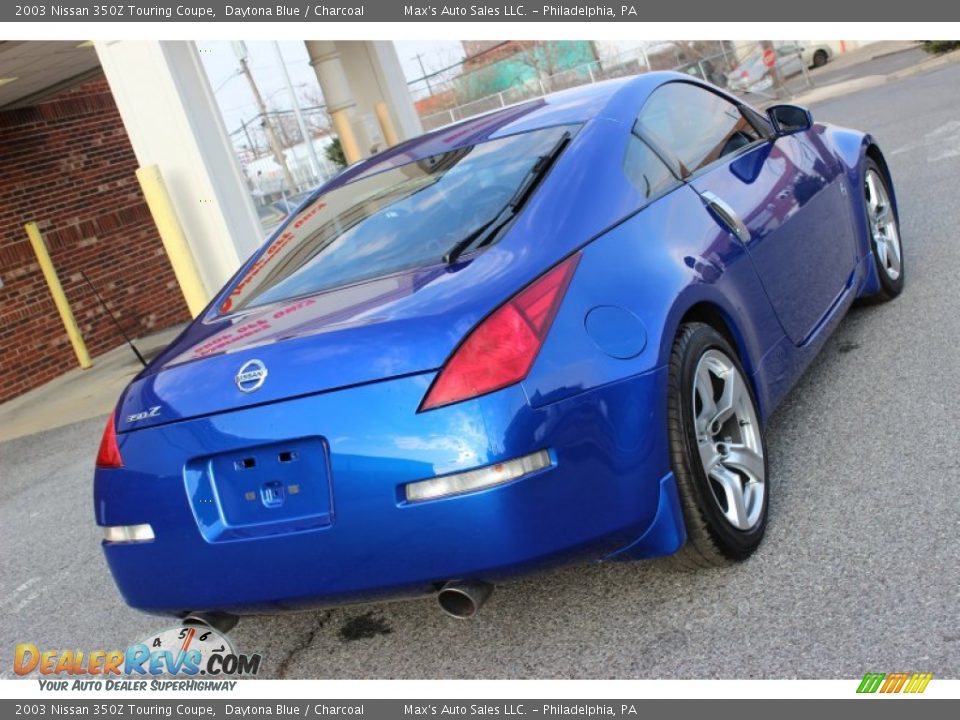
[(68, 166)]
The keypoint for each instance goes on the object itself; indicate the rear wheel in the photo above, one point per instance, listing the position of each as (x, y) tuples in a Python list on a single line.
[(820, 58), (884, 230), (717, 450)]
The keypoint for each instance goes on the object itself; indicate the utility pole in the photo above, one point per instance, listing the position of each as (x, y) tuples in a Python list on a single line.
[(278, 155), (419, 58), (307, 139), (246, 133)]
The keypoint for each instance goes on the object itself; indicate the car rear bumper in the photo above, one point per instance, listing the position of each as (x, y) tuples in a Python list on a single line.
[(354, 537)]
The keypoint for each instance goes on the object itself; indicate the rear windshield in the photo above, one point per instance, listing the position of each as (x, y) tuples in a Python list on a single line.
[(402, 218)]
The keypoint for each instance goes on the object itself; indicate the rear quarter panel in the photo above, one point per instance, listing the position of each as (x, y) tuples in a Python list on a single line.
[(657, 265)]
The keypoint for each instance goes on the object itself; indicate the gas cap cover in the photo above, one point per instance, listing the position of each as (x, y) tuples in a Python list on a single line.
[(616, 331)]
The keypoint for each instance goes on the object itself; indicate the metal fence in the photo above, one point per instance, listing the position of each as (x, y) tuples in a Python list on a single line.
[(723, 67)]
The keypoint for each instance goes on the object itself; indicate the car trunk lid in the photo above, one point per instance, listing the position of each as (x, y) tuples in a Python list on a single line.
[(388, 327)]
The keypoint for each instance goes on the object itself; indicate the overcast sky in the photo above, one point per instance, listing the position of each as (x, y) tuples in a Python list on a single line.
[(233, 92)]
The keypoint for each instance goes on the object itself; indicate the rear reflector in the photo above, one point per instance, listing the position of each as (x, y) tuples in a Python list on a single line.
[(500, 350), (109, 454), (128, 533), (478, 479)]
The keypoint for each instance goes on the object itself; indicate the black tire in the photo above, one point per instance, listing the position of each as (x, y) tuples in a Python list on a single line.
[(820, 58), (712, 540), (889, 287)]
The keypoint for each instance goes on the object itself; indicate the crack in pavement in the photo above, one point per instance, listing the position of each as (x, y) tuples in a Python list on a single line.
[(307, 640)]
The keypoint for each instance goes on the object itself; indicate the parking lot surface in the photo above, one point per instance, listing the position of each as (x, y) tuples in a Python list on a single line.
[(860, 570)]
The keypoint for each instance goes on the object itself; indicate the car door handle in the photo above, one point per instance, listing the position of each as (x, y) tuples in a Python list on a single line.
[(727, 215)]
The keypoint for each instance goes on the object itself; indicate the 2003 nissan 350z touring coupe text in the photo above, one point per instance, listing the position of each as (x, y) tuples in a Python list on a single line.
[(552, 333)]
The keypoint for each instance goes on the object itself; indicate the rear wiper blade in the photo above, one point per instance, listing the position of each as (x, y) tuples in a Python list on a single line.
[(486, 232), (461, 245)]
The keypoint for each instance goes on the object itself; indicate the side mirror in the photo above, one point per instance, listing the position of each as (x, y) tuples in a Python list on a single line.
[(789, 119)]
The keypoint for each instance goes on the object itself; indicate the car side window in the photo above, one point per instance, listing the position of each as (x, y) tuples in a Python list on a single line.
[(695, 125), (645, 170)]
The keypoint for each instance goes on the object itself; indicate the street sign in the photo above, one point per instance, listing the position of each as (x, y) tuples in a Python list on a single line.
[(769, 58)]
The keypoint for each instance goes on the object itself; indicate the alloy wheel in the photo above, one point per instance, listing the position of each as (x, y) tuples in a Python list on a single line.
[(729, 440), (883, 225)]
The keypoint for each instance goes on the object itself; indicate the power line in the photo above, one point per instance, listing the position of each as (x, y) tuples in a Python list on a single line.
[(419, 58), (236, 73), (456, 64), (274, 113)]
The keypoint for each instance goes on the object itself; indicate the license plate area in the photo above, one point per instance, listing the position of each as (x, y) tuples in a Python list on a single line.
[(271, 489)]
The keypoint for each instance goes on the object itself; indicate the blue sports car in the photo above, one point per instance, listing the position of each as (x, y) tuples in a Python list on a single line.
[(551, 333)]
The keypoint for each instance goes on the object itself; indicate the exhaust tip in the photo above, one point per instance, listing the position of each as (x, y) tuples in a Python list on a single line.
[(463, 600), (222, 622)]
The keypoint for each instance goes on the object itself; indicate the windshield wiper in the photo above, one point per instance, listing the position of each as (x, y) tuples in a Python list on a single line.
[(489, 230)]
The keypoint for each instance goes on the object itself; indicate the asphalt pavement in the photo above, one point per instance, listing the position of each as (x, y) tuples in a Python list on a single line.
[(860, 570)]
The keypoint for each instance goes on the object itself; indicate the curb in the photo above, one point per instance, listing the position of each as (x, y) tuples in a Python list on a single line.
[(929, 64), (829, 92)]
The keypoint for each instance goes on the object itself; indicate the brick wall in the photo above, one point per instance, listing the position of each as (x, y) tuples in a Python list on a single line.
[(67, 165)]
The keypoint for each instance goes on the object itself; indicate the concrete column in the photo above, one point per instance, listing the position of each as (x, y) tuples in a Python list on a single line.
[(374, 73), (337, 95), (394, 89), (172, 119), (355, 78)]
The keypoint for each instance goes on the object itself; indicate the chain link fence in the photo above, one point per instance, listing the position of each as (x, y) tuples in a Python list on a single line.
[(451, 95)]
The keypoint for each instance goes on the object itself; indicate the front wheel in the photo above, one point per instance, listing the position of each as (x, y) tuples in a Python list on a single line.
[(884, 229), (717, 450)]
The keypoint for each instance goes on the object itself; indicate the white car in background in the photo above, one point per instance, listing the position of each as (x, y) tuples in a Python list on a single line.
[(815, 54)]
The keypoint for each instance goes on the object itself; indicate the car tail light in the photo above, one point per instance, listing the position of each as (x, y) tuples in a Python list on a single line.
[(500, 350), (109, 454)]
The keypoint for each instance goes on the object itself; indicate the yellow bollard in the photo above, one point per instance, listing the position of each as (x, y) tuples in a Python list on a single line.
[(386, 124), (59, 297), (174, 241)]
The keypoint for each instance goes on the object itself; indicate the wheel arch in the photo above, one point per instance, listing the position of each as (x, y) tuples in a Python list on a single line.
[(714, 316), (853, 148), (872, 150), (713, 312)]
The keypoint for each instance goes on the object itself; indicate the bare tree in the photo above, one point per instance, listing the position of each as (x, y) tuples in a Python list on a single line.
[(549, 58), (315, 114)]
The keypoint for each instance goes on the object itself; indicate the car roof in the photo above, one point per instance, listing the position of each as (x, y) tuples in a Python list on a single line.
[(618, 100)]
